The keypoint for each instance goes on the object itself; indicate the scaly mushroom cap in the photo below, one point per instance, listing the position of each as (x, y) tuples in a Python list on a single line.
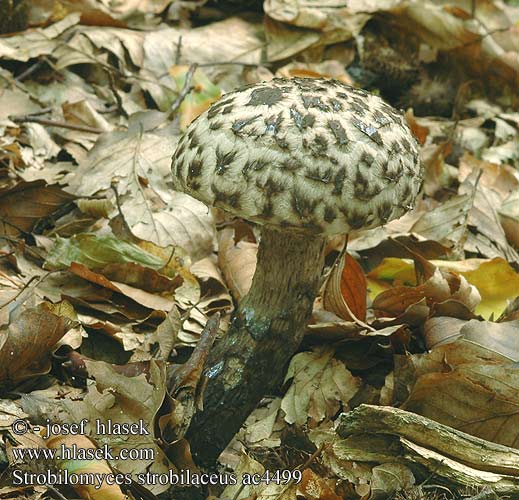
[(307, 154)]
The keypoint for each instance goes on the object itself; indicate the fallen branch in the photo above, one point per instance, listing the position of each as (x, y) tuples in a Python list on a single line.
[(458, 458)]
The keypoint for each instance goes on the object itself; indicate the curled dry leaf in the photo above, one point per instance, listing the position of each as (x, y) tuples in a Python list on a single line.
[(419, 131), (37, 42), (141, 277), (441, 30), (442, 286), (237, 260), (442, 330), (495, 279), (503, 179), (509, 217), (285, 41), (245, 466), (387, 479), (14, 102), (26, 344), (328, 69), (478, 399), (276, 491), (166, 333), (140, 297), (264, 426), (138, 165), (188, 225), (487, 237), (346, 290), (447, 222)]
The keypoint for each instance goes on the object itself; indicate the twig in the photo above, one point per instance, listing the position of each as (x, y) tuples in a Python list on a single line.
[(43, 111), (22, 290), (238, 493), (27, 236), (185, 90), (29, 71), (311, 458), (32, 253), (126, 226), (58, 124), (117, 97), (55, 492), (178, 53), (233, 63)]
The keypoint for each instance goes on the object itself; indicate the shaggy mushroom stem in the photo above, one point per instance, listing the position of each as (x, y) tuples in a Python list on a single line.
[(265, 332)]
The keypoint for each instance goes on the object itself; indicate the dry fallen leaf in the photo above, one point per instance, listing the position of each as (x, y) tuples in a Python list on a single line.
[(346, 290), (26, 344), (28, 203), (121, 398), (320, 385), (100, 92), (237, 260), (315, 487)]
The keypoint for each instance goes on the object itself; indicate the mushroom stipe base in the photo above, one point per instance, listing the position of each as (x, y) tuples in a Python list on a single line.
[(265, 332)]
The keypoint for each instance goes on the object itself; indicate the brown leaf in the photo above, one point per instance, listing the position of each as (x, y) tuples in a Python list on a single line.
[(442, 330), (26, 345), (141, 277), (320, 385), (237, 260), (137, 296), (121, 399), (98, 279), (501, 338), (90, 490), (27, 203), (488, 237), (433, 158), (463, 385), (314, 487), (437, 287), (394, 302), (346, 290), (478, 399), (418, 130), (503, 179)]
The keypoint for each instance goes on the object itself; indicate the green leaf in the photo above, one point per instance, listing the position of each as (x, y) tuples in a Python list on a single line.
[(95, 252)]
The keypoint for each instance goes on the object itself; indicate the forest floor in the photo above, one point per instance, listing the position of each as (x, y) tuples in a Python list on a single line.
[(407, 382)]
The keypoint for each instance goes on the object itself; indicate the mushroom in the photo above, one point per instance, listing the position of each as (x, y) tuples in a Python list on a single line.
[(304, 158)]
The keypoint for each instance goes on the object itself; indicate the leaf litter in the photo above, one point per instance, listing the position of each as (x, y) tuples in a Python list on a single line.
[(108, 277)]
